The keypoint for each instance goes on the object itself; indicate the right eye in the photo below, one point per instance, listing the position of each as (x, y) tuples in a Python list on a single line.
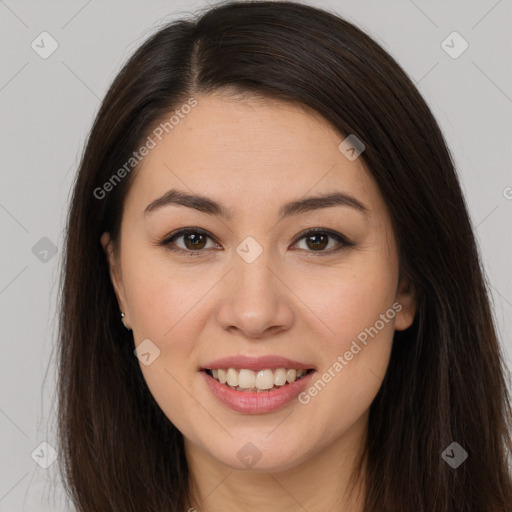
[(194, 240)]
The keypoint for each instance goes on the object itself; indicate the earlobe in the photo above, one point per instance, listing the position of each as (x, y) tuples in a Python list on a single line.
[(406, 297)]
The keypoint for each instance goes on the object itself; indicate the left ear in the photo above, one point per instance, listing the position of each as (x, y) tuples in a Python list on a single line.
[(406, 297), (115, 277)]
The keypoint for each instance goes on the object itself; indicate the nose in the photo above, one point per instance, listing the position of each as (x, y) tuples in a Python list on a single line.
[(256, 302)]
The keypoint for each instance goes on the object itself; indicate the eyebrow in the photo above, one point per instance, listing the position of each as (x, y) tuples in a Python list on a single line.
[(206, 205)]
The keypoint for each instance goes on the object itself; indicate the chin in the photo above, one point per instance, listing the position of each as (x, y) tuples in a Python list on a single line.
[(261, 453)]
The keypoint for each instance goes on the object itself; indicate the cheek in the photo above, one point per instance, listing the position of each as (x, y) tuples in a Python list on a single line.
[(358, 309), (162, 295), (347, 299), (354, 361), (166, 308), (356, 305)]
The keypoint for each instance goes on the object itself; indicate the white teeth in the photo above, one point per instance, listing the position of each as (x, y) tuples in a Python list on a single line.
[(265, 379), (248, 380), (280, 377), (232, 377), (291, 375)]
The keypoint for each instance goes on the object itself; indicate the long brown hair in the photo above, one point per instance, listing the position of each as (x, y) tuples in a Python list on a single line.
[(446, 378)]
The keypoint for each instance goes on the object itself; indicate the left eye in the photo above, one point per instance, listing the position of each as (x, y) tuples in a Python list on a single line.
[(194, 240), (316, 240)]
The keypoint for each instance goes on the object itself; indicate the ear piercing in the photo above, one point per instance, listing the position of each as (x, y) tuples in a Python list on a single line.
[(122, 320)]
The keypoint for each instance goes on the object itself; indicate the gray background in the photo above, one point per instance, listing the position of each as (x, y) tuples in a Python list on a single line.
[(47, 107)]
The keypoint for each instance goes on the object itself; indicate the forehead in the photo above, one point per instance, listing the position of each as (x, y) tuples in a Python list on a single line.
[(250, 151)]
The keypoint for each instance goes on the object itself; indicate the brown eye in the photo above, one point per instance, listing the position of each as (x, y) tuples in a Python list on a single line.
[(193, 240), (318, 240)]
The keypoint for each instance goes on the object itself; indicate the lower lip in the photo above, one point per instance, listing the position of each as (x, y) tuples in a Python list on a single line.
[(257, 402)]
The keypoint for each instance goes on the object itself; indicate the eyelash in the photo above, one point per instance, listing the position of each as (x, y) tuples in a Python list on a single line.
[(341, 239)]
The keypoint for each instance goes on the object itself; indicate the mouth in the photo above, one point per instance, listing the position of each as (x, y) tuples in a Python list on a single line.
[(263, 380)]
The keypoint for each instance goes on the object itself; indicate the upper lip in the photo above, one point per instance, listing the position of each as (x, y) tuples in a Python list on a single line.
[(271, 362)]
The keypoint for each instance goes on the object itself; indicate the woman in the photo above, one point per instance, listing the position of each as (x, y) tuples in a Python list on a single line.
[(272, 295)]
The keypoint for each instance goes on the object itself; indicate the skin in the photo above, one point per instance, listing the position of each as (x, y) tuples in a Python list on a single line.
[(294, 300)]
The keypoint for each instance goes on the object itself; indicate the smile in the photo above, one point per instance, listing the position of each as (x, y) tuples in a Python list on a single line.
[(251, 381), (252, 399)]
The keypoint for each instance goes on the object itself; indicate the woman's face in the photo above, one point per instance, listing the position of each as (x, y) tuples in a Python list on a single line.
[(253, 290)]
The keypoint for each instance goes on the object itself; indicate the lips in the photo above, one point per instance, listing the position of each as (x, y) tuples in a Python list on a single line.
[(270, 396)]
